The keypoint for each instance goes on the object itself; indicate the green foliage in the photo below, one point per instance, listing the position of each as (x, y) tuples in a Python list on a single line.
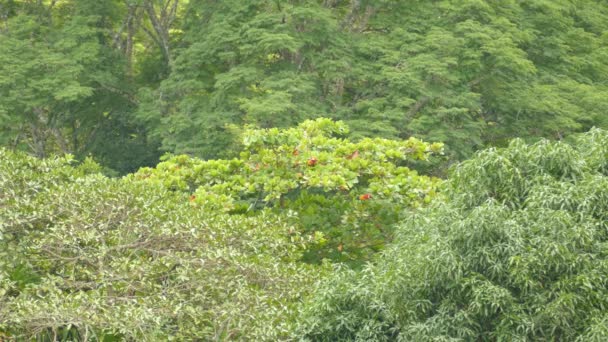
[(245, 62), (518, 253), (310, 171), (63, 87), (84, 257), (28, 92), (119, 79), (466, 73), (209, 244)]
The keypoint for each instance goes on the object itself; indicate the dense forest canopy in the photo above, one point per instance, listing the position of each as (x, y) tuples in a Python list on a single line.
[(125, 80), (367, 170)]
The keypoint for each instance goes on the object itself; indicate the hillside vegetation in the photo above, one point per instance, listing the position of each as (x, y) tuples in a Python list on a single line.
[(124, 79), (514, 248), (319, 170)]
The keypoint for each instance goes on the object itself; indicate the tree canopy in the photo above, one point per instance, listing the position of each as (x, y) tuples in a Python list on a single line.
[(518, 253), (218, 249), (348, 195), (122, 79), (318, 170), (467, 73)]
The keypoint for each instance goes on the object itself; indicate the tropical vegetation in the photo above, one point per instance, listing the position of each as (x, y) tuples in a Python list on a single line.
[(320, 170)]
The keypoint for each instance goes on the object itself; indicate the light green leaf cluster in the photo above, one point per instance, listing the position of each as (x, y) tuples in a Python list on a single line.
[(85, 257), (308, 170)]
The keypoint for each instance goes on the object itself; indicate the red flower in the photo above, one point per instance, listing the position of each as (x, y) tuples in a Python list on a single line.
[(312, 162)]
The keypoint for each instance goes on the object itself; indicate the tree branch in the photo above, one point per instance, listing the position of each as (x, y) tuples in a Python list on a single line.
[(161, 31)]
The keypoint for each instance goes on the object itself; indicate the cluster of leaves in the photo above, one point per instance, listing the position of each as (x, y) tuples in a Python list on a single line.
[(347, 195), (85, 257), (471, 73), (519, 253)]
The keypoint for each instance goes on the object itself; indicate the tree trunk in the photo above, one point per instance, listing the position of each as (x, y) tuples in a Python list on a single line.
[(38, 142), (132, 23), (161, 25)]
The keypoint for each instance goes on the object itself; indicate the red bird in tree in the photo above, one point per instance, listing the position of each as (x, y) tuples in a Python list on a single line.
[(365, 197)]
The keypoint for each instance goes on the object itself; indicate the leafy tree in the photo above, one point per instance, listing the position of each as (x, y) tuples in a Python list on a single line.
[(85, 257), (40, 77), (518, 253), (471, 73), (467, 73), (258, 62), (62, 85), (347, 195)]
